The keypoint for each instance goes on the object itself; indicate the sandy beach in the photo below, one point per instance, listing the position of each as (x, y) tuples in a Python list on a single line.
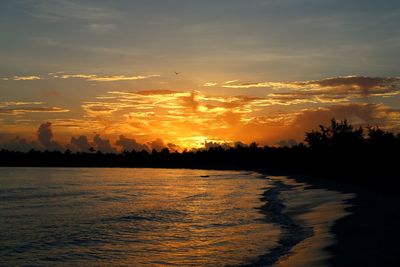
[(370, 235), (360, 230)]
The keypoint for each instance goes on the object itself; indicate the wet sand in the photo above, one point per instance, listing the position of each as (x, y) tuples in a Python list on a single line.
[(305, 215), (363, 232), (311, 252), (317, 209)]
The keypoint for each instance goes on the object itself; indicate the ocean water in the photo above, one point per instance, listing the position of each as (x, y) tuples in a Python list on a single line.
[(135, 217), (157, 217)]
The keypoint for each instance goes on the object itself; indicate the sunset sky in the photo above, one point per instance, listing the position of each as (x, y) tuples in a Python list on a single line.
[(102, 73)]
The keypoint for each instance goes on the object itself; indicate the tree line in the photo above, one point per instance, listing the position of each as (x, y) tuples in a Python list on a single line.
[(340, 151)]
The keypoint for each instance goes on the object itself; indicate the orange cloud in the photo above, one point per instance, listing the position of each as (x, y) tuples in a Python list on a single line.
[(177, 115), (109, 78), (190, 118), (346, 82), (88, 77), (210, 84), (23, 78), (18, 103), (156, 92), (330, 90), (18, 111)]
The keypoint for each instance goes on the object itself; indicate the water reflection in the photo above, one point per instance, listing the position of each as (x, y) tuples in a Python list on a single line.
[(142, 217)]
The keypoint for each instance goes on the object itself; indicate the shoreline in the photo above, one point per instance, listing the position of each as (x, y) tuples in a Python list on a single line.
[(293, 231), (306, 214), (367, 236)]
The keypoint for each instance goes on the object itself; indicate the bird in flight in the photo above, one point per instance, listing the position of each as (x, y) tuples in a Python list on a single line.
[(176, 73)]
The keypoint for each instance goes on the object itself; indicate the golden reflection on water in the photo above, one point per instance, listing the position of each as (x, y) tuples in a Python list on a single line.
[(139, 217)]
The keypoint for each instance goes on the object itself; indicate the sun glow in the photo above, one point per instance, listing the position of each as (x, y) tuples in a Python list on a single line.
[(197, 142), (192, 141)]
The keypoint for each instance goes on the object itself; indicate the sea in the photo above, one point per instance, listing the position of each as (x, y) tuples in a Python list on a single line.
[(160, 217)]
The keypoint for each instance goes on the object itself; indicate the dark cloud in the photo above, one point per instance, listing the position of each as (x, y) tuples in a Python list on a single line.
[(19, 144), (45, 137), (130, 144), (191, 102), (173, 148), (81, 143), (99, 108), (287, 143), (359, 86), (103, 145), (337, 89), (239, 144), (293, 125), (157, 144), (357, 114), (361, 81)]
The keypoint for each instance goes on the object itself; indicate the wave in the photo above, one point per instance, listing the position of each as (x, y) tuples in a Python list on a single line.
[(293, 231)]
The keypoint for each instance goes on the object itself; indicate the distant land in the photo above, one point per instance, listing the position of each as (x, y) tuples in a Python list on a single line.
[(363, 156)]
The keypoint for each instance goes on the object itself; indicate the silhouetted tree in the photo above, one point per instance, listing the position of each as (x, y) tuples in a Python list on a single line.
[(340, 134), (380, 137), (338, 150)]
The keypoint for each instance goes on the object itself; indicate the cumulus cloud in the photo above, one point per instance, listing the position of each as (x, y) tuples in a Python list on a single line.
[(174, 148), (19, 144), (81, 143), (103, 145), (157, 144), (45, 137), (130, 144)]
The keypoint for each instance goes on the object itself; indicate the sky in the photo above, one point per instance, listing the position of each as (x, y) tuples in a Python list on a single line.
[(119, 75)]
